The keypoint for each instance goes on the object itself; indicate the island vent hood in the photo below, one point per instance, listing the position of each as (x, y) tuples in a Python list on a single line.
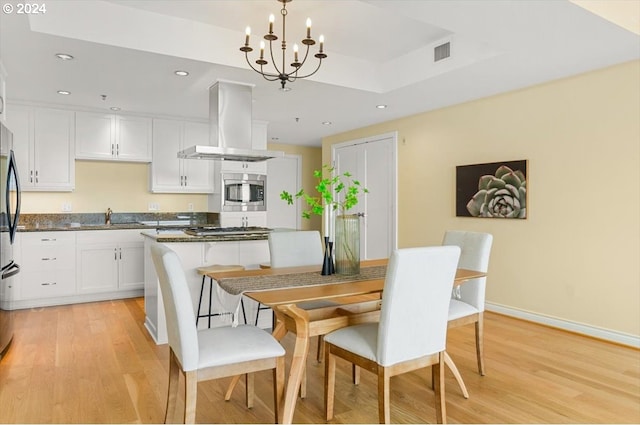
[(230, 119)]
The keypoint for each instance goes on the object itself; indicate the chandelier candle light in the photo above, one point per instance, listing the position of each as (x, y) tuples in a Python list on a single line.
[(280, 73)]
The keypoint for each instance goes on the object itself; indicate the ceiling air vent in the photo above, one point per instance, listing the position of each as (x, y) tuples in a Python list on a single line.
[(442, 51)]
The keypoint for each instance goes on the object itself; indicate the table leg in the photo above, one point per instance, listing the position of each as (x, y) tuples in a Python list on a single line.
[(456, 373), (298, 361)]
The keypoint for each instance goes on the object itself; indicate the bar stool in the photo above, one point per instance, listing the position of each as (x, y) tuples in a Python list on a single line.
[(208, 269), (261, 307)]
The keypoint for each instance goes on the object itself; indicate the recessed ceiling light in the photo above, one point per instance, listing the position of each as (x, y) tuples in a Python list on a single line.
[(181, 73), (64, 56), (64, 92), (326, 122), (114, 108), (381, 106)]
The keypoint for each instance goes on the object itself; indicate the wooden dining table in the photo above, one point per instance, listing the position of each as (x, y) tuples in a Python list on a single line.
[(283, 289)]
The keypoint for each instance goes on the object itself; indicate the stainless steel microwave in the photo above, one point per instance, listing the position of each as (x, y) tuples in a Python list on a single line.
[(244, 192)]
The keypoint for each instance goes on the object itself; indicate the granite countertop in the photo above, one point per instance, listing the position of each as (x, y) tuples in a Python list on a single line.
[(177, 236)]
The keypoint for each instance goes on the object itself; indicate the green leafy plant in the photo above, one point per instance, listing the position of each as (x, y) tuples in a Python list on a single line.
[(339, 192)]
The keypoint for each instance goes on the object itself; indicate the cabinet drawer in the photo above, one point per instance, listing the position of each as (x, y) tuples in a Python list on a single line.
[(48, 239), (49, 257), (48, 284)]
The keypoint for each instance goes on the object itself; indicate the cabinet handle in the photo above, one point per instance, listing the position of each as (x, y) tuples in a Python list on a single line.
[(117, 149), (48, 239), (112, 150), (181, 180), (49, 258), (185, 180), (48, 283), (120, 252), (36, 176), (30, 176)]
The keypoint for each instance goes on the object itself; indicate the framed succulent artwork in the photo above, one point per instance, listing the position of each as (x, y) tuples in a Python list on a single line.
[(492, 190)]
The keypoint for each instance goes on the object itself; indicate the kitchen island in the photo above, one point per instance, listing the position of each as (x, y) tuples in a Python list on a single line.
[(196, 251)]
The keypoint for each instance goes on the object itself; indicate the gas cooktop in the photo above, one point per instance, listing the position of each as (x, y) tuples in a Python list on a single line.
[(213, 231)]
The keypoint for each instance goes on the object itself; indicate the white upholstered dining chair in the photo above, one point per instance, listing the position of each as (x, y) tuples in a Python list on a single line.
[(296, 249), (412, 330), (211, 353), (467, 300)]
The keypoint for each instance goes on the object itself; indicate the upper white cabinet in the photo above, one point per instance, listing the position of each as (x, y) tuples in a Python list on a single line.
[(113, 137), (170, 174), (44, 144)]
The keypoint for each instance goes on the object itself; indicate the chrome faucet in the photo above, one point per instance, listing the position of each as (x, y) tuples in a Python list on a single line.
[(107, 216)]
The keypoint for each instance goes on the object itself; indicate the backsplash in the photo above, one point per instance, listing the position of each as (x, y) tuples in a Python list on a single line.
[(77, 219)]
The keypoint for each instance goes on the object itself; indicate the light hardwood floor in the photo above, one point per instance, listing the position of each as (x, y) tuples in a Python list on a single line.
[(95, 363)]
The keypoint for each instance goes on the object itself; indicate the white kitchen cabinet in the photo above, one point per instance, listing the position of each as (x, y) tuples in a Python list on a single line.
[(243, 219), (110, 260), (170, 174), (48, 265), (113, 137), (44, 144)]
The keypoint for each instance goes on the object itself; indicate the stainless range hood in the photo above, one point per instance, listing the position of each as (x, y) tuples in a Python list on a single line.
[(229, 127)]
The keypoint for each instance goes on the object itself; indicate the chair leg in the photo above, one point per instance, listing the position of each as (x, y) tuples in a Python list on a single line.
[(278, 388), (172, 391), (320, 346), (200, 300), (244, 313), (437, 371), (384, 410), (355, 374), (329, 381), (479, 342), (249, 388), (210, 301), (257, 314), (190, 396)]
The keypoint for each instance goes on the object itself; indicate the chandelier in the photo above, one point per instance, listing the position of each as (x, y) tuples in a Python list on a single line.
[(280, 72)]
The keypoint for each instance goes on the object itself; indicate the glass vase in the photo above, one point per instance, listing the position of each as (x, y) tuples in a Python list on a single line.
[(347, 244)]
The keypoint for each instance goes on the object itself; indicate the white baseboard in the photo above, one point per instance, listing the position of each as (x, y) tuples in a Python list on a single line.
[(609, 335)]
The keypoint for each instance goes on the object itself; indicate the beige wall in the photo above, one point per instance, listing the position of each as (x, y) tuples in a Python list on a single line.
[(576, 256), (124, 187)]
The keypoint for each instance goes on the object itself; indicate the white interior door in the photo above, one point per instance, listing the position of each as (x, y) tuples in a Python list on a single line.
[(283, 174), (372, 161)]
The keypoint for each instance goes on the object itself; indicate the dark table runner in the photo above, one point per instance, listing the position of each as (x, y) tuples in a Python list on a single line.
[(238, 285)]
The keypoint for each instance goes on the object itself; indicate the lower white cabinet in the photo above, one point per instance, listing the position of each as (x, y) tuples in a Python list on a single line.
[(67, 267), (243, 219), (110, 260), (48, 265)]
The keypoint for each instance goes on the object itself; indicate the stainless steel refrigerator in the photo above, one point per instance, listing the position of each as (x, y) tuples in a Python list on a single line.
[(9, 214)]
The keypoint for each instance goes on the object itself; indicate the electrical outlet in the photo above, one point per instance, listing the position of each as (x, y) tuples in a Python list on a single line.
[(154, 206), (190, 206), (66, 207)]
